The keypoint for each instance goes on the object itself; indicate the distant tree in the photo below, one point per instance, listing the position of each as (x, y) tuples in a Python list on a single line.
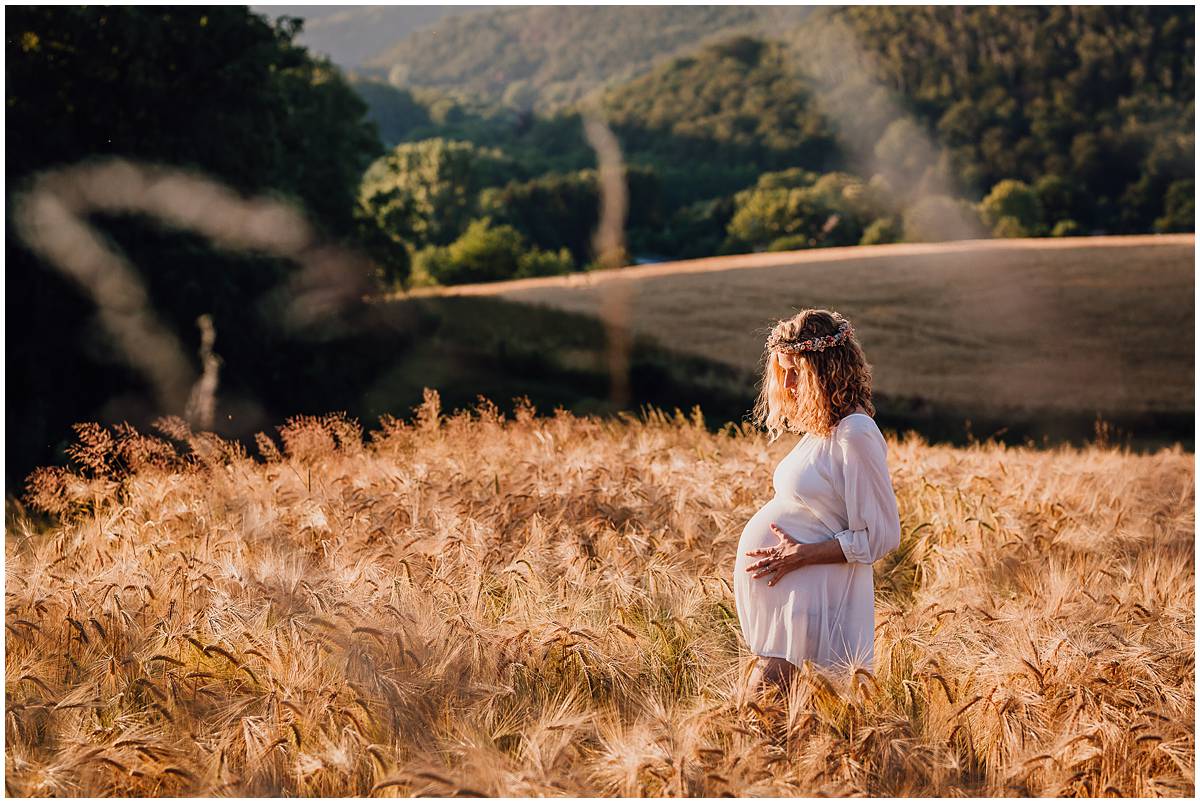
[(575, 49), (1059, 198), (554, 211), (695, 230), (763, 216), (787, 179), (901, 153), (398, 113), (1013, 206), (1067, 228), (483, 253), (1180, 214), (1009, 226), (487, 252), (883, 230), (742, 48), (520, 94), (562, 210), (1090, 107), (537, 262), (833, 210), (734, 102), (423, 193), (791, 242)]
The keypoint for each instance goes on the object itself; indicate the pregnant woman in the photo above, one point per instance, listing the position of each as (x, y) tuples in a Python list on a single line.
[(803, 580)]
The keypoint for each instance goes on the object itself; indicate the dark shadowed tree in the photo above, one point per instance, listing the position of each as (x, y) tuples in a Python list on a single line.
[(215, 89)]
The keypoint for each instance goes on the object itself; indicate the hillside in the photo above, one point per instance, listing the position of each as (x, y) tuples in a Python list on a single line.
[(996, 326), (710, 122), (740, 93), (1101, 98), (853, 126), (547, 57), (351, 35), (541, 606)]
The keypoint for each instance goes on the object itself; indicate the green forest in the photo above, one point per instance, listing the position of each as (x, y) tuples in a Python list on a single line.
[(1044, 122)]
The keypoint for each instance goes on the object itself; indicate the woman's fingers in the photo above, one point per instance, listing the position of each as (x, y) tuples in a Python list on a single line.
[(754, 553), (781, 534), (753, 567), (763, 568)]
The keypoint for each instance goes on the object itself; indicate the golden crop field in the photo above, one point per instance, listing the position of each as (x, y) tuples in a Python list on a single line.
[(541, 606), (1089, 324)]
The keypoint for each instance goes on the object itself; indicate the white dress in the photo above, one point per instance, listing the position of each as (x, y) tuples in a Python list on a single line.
[(836, 486)]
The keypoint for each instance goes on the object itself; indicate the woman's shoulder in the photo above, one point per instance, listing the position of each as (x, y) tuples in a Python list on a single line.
[(858, 427), (857, 421)]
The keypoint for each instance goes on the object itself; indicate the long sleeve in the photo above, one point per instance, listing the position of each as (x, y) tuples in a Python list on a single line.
[(871, 512)]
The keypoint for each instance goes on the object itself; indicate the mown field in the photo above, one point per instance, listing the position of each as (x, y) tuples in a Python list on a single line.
[(993, 328), (539, 605)]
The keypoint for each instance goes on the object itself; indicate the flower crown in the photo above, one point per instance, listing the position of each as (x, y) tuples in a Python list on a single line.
[(794, 345)]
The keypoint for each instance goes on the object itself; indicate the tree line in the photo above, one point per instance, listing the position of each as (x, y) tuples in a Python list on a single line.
[(1045, 121)]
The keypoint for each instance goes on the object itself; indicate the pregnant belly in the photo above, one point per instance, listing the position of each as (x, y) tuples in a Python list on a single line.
[(794, 519), (810, 611)]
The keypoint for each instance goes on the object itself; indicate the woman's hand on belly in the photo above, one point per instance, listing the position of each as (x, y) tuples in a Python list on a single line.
[(778, 560), (790, 554)]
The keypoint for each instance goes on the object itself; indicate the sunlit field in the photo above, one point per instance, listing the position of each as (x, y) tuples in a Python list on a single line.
[(1065, 324), (541, 606)]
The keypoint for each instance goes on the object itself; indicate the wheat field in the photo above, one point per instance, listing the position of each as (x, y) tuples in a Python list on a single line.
[(540, 605)]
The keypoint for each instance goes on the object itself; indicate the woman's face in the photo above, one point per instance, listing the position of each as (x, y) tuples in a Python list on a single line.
[(791, 372)]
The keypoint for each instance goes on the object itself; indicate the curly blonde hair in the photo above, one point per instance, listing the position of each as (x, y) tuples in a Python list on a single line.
[(832, 383)]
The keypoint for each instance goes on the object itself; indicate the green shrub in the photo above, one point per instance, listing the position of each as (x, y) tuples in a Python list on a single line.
[(483, 253), (1180, 208), (544, 263), (486, 252), (791, 242), (1060, 198), (829, 212), (423, 268), (1010, 227), (883, 230), (1015, 200), (1067, 228)]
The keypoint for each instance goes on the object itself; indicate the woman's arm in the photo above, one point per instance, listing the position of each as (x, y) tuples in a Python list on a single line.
[(824, 552), (874, 522), (871, 512)]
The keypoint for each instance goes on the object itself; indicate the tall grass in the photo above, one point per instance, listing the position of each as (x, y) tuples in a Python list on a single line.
[(540, 606)]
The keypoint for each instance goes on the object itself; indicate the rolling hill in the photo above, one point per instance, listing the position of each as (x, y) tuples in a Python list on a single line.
[(351, 35), (547, 57), (995, 328)]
